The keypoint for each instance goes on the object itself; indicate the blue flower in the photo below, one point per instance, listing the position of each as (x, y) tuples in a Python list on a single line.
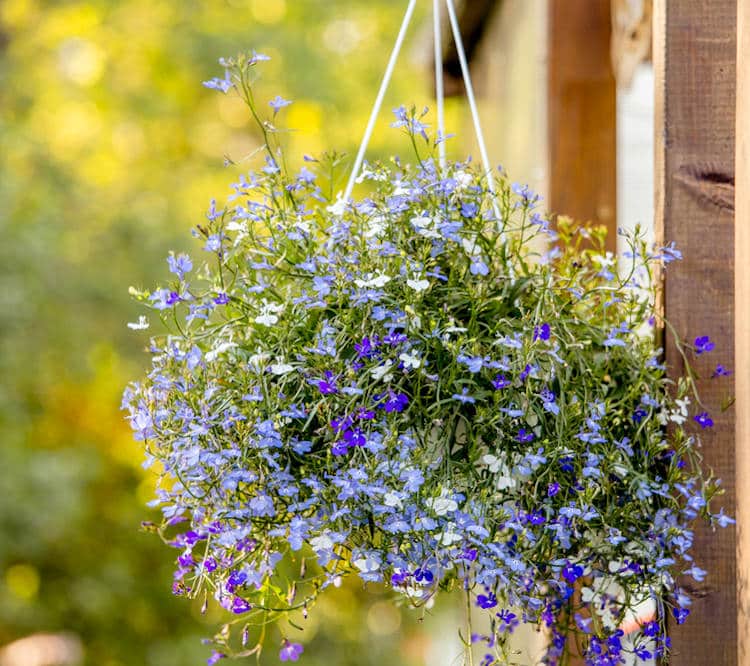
[(180, 264), (486, 601), (542, 332), (500, 382), (240, 605), (464, 396), (703, 344), (220, 84), (278, 103), (290, 651), (680, 614), (396, 402), (524, 436), (703, 420), (721, 371)]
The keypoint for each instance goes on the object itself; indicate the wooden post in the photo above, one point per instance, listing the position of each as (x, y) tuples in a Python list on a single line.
[(694, 67), (582, 109), (742, 329)]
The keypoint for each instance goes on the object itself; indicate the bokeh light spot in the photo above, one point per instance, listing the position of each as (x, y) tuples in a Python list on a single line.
[(22, 581)]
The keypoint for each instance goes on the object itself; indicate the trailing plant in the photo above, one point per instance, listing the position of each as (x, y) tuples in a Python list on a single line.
[(428, 388)]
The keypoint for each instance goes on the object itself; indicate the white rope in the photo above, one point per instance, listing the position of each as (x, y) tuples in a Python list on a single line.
[(379, 100), (472, 104), (439, 91)]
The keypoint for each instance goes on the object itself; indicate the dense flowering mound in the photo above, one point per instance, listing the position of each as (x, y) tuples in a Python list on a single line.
[(424, 387)]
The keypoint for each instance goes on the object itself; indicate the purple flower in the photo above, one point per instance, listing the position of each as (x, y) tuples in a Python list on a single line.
[(541, 332), (214, 658), (642, 653), (396, 402), (703, 420), (486, 601), (423, 575), (680, 614), (572, 572), (639, 414), (327, 386), (553, 488), (240, 605), (399, 578), (278, 103), (221, 299), (173, 298), (290, 651), (236, 579), (703, 344), (508, 621), (524, 436), (367, 348), (354, 438), (721, 371), (500, 382)]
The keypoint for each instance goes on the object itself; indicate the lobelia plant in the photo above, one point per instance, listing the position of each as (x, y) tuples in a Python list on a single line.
[(427, 388)]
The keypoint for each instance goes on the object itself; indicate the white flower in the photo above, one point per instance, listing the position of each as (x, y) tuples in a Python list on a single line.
[(237, 226), (470, 247), (679, 415), (258, 361), (449, 537), (410, 361), (339, 207), (267, 319), (392, 499), (268, 312), (376, 226), (493, 462), (604, 260), (219, 349), (498, 465), (418, 285), (280, 367), (424, 225), (399, 189), (139, 325), (322, 542), (382, 372), (367, 564), (463, 179), (442, 505), (378, 281)]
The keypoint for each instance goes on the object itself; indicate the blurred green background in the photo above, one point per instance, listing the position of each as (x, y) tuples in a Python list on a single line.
[(110, 150)]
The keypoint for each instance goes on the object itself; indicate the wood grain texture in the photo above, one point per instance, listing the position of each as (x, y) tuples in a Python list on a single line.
[(582, 113), (694, 64), (742, 326)]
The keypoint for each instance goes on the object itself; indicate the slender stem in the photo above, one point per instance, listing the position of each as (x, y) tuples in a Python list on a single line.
[(469, 647)]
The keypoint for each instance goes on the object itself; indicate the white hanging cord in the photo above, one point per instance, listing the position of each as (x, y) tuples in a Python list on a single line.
[(439, 91), (472, 104), (379, 100)]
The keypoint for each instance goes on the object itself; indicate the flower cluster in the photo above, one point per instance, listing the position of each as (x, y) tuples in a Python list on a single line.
[(426, 387)]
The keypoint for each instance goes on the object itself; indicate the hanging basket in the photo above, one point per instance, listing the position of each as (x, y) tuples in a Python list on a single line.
[(405, 388)]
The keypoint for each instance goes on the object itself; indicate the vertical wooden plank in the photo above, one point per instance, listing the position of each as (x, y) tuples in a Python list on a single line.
[(741, 327), (694, 67), (582, 109)]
